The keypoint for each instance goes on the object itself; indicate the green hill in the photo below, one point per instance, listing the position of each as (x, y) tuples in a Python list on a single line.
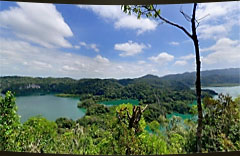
[(218, 77)]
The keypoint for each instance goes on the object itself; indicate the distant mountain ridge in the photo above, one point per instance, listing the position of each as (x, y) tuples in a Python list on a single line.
[(217, 77), (28, 85)]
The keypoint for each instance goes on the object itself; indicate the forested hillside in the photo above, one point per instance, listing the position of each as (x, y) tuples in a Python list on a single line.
[(123, 129), (29, 85), (219, 77)]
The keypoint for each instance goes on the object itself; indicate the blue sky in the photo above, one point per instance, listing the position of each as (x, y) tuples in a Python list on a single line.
[(86, 41)]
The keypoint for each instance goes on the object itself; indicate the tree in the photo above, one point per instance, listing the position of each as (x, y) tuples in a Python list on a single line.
[(221, 124), (132, 122), (9, 121), (152, 11)]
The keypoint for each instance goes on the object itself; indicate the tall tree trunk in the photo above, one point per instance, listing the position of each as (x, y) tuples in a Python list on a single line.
[(198, 80), (194, 38)]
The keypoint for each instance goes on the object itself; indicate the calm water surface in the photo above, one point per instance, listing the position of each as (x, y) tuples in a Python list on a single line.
[(232, 91), (48, 106), (52, 107)]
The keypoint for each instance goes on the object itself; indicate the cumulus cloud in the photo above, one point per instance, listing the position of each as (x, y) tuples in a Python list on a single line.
[(162, 58), (21, 58), (92, 46), (208, 31), (131, 22), (120, 19), (216, 10), (101, 59), (37, 23), (220, 20), (224, 54), (129, 48)]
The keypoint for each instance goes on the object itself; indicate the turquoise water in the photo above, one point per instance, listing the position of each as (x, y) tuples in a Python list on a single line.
[(183, 116), (52, 107), (119, 102), (48, 106)]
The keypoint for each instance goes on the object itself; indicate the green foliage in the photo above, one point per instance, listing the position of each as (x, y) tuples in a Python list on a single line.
[(105, 130), (221, 124), (37, 135), (64, 124), (97, 109), (9, 121), (177, 143), (154, 126), (141, 10), (122, 112), (164, 96), (86, 103)]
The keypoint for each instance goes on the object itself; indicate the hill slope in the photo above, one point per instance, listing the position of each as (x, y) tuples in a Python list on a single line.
[(218, 77)]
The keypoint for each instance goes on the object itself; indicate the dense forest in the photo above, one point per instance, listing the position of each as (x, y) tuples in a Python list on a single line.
[(29, 85), (165, 95), (108, 130), (125, 128)]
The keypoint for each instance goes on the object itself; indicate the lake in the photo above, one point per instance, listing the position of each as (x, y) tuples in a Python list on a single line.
[(52, 107), (232, 91), (49, 106)]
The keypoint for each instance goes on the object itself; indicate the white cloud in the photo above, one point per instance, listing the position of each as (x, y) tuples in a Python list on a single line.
[(224, 54), (222, 44), (101, 59), (92, 46), (222, 17), (162, 58), (40, 64), (129, 48), (131, 22), (69, 68), (141, 62), (208, 31), (38, 23), (188, 57), (174, 43), (83, 44), (120, 19), (180, 63), (216, 10), (21, 58)]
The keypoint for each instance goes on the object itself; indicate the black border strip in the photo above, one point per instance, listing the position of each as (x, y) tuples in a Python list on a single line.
[(118, 2)]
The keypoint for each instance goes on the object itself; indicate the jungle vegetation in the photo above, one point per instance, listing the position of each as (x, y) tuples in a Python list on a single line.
[(108, 130)]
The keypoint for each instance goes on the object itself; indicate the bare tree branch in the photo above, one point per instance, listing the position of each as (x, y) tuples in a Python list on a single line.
[(203, 17), (173, 24), (144, 108), (187, 17), (129, 117)]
